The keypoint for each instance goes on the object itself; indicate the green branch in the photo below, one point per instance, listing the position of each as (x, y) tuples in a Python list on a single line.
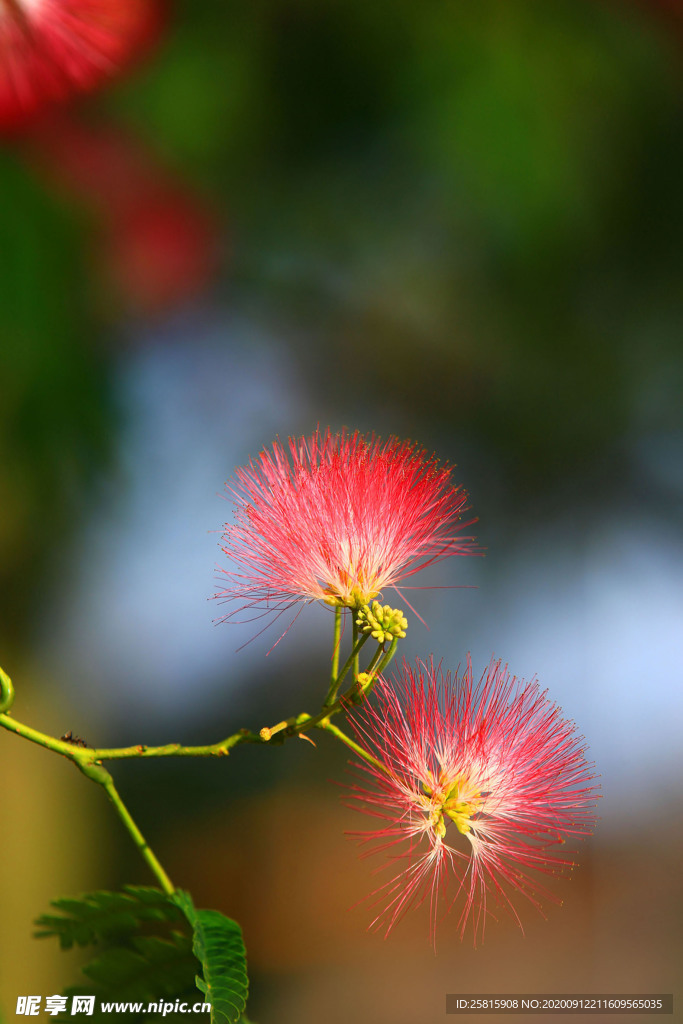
[(90, 755), (354, 640), (96, 773), (89, 759), (329, 727), (336, 645), (81, 755), (351, 660), (220, 749), (136, 835), (298, 724)]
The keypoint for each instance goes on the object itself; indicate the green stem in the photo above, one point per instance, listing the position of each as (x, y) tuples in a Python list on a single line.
[(220, 749), (371, 669), (387, 657), (329, 727), (84, 756), (87, 760), (136, 835), (354, 641), (88, 755), (352, 658), (337, 642), (81, 755), (351, 696), (355, 690), (375, 670)]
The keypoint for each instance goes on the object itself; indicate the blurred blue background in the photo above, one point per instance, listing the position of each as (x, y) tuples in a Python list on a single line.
[(455, 223)]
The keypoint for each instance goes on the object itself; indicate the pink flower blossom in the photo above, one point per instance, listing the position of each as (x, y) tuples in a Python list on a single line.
[(477, 784), (53, 49), (338, 518)]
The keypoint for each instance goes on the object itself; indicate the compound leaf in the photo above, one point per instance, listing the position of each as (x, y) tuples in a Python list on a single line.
[(219, 947)]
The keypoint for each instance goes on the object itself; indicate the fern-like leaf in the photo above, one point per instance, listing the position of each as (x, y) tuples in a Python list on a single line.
[(152, 948), (107, 916), (219, 947)]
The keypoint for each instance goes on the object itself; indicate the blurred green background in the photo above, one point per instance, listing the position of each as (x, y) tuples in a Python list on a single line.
[(459, 223)]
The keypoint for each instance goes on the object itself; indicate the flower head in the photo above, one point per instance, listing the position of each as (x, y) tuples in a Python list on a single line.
[(479, 784), (52, 49), (338, 518)]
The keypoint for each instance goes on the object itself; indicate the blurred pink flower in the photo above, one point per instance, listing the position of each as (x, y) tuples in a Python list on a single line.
[(51, 50), (480, 784), (338, 518), (157, 240)]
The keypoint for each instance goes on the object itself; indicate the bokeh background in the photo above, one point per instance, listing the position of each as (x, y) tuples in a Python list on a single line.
[(454, 222)]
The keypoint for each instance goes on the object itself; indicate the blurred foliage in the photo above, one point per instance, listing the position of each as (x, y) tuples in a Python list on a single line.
[(469, 211), (54, 414), (478, 203)]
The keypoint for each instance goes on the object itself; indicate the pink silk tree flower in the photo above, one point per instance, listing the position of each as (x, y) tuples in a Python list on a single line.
[(338, 518), (477, 785), (51, 50)]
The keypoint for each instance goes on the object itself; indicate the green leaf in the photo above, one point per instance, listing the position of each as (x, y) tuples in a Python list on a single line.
[(151, 947), (150, 970), (143, 948), (107, 916), (219, 947)]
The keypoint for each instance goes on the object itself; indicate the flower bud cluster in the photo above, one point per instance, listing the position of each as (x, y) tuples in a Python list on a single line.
[(382, 623)]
